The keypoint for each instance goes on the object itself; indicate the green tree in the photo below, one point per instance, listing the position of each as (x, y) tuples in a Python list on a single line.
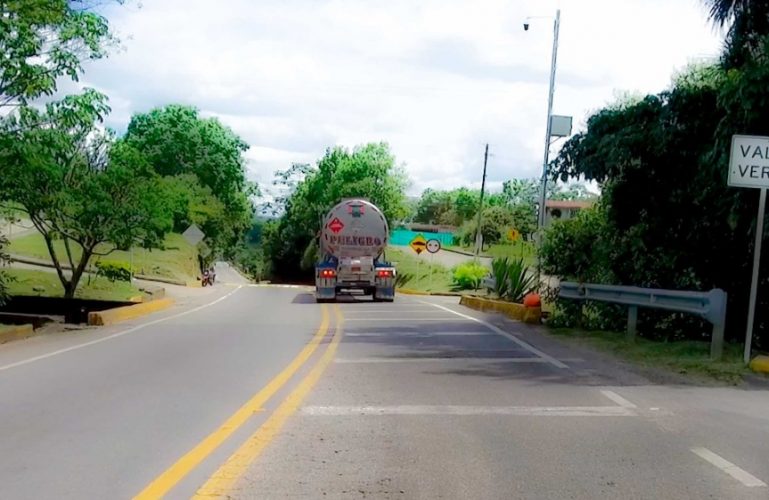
[(178, 142), (495, 221), (521, 191), (748, 22), (369, 171), (77, 185), (433, 205), (43, 40), (3, 276)]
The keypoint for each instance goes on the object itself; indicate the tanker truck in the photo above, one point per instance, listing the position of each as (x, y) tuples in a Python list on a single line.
[(352, 241)]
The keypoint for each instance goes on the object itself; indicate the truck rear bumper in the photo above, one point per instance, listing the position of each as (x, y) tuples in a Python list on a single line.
[(325, 292)]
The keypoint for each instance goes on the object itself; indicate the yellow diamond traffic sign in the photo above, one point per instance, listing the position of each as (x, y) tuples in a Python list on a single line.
[(418, 244)]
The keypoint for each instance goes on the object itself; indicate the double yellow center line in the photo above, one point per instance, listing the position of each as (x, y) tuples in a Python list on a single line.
[(222, 481)]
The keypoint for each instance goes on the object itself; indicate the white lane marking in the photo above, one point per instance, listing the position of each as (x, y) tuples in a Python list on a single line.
[(537, 411), (394, 319), (115, 335), (618, 399), (737, 473), (498, 330), (438, 360)]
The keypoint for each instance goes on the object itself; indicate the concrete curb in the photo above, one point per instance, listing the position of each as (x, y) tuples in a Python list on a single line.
[(518, 312), (15, 332), (462, 252), (118, 314), (760, 364)]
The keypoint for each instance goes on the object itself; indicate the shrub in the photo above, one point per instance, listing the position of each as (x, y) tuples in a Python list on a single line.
[(468, 276), (114, 271)]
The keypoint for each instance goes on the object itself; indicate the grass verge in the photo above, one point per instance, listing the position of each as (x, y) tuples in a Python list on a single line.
[(426, 277), (682, 357), (47, 284), (178, 260), (515, 250)]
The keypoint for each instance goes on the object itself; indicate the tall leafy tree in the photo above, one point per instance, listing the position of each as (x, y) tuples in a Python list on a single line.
[(368, 171), (43, 40), (748, 25), (78, 186), (3, 277), (177, 141)]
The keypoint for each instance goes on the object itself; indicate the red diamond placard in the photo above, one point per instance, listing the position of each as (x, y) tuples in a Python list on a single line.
[(335, 225)]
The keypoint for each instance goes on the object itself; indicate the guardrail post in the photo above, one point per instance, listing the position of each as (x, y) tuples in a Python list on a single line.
[(718, 318), (632, 321), (717, 343)]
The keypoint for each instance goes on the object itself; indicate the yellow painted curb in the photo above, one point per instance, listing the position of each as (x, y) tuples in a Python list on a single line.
[(118, 314), (514, 311), (15, 332), (137, 298), (760, 364)]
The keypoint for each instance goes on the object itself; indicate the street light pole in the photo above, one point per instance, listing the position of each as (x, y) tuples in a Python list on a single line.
[(548, 130), (543, 193)]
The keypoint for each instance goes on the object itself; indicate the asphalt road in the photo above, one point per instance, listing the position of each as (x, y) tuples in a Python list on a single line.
[(258, 392)]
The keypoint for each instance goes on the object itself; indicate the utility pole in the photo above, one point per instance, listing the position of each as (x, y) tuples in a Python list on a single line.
[(478, 232)]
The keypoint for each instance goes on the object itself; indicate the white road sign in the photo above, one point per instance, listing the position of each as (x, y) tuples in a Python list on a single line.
[(433, 246), (749, 161), (193, 235)]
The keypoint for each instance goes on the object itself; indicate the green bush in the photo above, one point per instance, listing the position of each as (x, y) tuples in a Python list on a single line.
[(468, 276), (114, 271)]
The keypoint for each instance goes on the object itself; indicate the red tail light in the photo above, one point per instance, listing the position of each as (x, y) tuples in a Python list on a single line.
[(327, 273), (384, 273)]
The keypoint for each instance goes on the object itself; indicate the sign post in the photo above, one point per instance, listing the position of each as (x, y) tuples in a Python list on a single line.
[(433, 246), (749, 167), (194, 235), (418, 244)]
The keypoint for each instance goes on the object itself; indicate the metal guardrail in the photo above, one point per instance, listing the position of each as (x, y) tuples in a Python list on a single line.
[(708, 305)]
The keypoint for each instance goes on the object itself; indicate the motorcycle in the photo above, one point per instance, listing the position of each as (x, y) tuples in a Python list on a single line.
[(207, 280)]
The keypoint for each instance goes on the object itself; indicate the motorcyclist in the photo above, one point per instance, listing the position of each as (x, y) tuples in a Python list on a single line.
[(212, 274)]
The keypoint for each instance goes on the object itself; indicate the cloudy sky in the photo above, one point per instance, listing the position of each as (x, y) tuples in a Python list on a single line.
[(437, 79)]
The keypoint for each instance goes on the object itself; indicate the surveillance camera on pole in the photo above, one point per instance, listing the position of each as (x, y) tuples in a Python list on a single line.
[(548, 132)]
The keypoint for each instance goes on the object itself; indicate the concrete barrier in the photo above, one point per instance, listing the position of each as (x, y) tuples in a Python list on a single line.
[(760, 364), (118, 314), (518, 312), (15, 332)]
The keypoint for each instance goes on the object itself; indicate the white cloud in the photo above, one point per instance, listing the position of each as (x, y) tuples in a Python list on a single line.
[(437, 79)]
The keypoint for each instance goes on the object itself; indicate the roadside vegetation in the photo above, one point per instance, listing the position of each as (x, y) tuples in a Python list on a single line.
[(90, 193), (685, 357), (423, 276), (519, 249), (667, 218), (176, 259), (29, 282)]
